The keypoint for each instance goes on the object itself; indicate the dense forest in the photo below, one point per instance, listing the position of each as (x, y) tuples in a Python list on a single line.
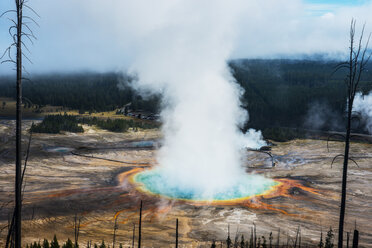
[(86, 91), (295, 93), (278, 93), (70, 123), (58, 123)]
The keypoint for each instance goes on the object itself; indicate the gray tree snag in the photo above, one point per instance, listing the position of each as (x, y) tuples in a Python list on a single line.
[(18, 186), (17, 33), (134, 234), (140, 227), (115, 228), (356, 65), (177, 233), (12, 222), (77, 231)]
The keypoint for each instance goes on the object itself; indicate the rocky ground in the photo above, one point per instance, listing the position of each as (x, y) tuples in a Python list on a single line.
[(62, 184)]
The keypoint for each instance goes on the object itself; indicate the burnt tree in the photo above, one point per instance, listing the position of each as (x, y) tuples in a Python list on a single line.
[(140, 227), (17, 31), (355, 66), (176, 233)]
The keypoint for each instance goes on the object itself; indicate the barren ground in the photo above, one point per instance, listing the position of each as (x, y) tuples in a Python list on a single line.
[(60, 185)]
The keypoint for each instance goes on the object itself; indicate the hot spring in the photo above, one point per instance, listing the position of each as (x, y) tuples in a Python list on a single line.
[(156, 182)]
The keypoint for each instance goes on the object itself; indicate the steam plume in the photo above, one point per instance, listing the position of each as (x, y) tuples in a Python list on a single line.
[(184, 56), (363, 105)]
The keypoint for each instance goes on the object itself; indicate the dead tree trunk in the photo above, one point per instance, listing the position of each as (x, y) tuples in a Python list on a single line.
[(10, 236), (297, 233), (254, 235), (134, 234), (18, 186), (344, 178), (17, 28), (115, 228), (228, 240), (140, 226), (177, 233), (355, 65), (356, 239), (76, 230)]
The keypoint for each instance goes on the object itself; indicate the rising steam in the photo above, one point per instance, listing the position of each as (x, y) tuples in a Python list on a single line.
[(363, 105), (183, 56)]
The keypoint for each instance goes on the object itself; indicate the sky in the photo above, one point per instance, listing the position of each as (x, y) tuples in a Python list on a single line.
[(97, 35)]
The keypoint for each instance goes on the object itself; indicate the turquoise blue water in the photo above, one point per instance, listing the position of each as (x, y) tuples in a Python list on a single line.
[(248, 185)]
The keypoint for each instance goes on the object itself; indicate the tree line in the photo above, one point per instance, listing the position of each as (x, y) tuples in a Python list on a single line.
[(70, 123), (254, 241), (93, 92), (68, 244), (277, 93)]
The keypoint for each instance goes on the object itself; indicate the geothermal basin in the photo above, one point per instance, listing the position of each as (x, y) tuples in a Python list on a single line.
[(108, 183), (157, 182)]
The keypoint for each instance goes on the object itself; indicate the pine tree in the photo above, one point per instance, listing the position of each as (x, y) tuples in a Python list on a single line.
[(321, 244), (228, 241), (259, 242), (54, 243), (68, 244), (213, 244), (329, 239), (103, 244), (45, 243), (271, 240), (242, 242), (264, 242)]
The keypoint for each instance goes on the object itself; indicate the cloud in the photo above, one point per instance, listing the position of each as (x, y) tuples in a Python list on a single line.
[(107, 35), (286, 28)]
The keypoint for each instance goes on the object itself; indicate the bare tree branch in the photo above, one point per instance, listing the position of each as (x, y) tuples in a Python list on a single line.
[(335, 157), (12, 21), (24, 45), (32, 20), (334, 135), (10, 30), (24, 55), (28, 37), (33, 11), (352, 159), (8, 11), (8, 61)]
